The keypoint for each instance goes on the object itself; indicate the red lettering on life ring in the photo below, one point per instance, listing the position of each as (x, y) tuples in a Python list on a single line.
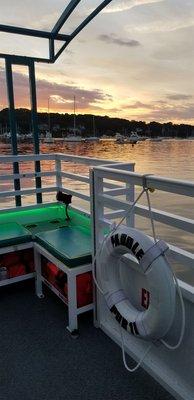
[(145, 298)]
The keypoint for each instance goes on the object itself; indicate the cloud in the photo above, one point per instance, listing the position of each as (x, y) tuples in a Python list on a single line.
[(127, 5), (165, 26), (61, 95), (180, 114), (60, 100), (162, 17), (137, 105), (178, 96), (31, 14), (112, 39), (162, 111)]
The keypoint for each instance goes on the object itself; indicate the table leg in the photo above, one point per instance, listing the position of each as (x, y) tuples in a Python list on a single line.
[(38, 281), (72, 304)]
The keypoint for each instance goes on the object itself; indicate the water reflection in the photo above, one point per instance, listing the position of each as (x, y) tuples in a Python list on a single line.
[(172, 158)]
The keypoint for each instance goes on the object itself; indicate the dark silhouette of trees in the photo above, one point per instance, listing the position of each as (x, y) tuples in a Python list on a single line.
[(104, 125)]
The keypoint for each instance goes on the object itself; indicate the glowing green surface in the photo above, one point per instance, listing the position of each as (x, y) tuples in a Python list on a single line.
[(71, 245), (31, 215), (12, 233), (43, 218), (68, 240)]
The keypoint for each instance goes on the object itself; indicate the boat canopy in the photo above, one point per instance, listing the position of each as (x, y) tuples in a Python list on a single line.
[(68, 24)]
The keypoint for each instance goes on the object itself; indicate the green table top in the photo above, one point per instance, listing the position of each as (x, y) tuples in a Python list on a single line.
[(71, 245), (13, 233)]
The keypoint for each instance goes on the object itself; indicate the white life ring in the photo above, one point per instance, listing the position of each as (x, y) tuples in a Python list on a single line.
[(154, 322)]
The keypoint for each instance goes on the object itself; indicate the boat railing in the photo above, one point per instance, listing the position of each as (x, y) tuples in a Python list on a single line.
[(56, 175), (109, 207)]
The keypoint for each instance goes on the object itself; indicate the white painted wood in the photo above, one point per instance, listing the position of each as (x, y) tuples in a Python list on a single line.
[(158, 182), (58, 172), (29, 157), (27, 175), (26, 192), (16, 247), (37, 263), (75, 177), (20, 278), (117, 192), (164, 217), (173, 220), (76, 194), (72, 273), (84, 160)]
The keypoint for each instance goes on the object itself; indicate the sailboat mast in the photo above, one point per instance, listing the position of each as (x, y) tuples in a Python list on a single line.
[(74, 122), (49, 118)]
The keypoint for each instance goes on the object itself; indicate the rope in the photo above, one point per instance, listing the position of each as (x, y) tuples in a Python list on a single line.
[(124, 357), (98, 252), (151, 215), (183, 325)]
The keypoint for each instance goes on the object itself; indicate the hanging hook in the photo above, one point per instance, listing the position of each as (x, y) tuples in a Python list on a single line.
[(144, 183)]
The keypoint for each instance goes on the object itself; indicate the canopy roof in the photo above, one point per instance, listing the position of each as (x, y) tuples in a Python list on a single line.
[(52, 25)]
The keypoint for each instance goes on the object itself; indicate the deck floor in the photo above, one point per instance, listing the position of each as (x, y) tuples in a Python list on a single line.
[(40, 361)]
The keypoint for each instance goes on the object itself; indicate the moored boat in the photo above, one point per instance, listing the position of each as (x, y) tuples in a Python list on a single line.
[(119, 138), (73, 138), (48, 138), (157, 139), (92, 139), (133, 138)]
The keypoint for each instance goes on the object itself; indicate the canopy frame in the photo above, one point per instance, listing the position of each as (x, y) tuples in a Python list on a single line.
[(13, 59)]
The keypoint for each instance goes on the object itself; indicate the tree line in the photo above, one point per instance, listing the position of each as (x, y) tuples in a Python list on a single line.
[(87, 124)]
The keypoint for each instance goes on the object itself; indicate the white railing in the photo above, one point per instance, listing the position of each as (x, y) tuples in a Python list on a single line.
[(110, 188), (59, 165), (107, 207)]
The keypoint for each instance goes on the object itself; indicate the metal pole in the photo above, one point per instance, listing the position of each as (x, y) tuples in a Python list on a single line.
[(74, 123), (32, 81), (12, 121), (94, 128), (52, 49), (49, 117)]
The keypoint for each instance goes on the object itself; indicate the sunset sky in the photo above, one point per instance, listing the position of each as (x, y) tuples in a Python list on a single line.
[(135, 60)]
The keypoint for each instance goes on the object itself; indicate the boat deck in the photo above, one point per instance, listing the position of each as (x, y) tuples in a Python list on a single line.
[(40, 360)]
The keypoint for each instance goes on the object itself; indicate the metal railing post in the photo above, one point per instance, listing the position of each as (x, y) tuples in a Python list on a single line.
[(32, 82), (97, 212), (13, 129), (58, 172)]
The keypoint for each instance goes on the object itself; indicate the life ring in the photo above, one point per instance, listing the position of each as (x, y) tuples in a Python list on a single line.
[(156, 320)]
